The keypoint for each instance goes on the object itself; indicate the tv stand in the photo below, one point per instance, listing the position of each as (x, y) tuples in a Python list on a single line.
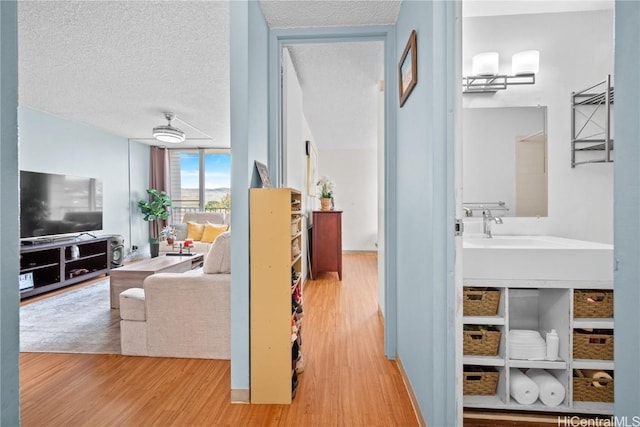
[(51, 266), (85, 234)]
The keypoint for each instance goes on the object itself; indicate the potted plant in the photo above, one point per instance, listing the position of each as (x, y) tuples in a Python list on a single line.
[(326, 193), (155, 210), (169, 234)]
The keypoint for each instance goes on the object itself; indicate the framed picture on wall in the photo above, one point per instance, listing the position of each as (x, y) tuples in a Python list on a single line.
[(312, 167), (408, 68)]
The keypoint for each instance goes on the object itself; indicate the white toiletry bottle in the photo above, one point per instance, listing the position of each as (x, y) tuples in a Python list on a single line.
[(553, 343)]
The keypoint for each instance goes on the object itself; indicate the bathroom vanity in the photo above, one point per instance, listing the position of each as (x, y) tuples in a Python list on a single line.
[(538, 277)]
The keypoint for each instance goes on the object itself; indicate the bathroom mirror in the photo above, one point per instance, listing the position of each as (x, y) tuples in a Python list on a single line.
[(504, 155)]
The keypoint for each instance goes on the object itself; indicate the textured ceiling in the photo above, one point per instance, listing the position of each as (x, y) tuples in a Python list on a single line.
[(339, 84), (117, 65), (338, 80), (329, 13)]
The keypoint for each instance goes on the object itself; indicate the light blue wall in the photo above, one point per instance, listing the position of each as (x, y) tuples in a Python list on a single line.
[(138, 183), (627, 209), (52, 144), (425, 212), (249, 142), (9, 247)]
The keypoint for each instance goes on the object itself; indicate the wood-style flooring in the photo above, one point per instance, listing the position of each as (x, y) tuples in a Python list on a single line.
[(347, 380)]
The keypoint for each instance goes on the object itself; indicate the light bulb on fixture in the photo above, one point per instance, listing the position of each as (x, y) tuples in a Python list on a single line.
[(485, 64), (526, 62), (168, 133)]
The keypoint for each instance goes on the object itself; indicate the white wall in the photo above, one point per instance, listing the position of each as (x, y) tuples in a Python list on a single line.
[(355, 174), (51, 144), (381, 193), (295, 133), (576, 51)]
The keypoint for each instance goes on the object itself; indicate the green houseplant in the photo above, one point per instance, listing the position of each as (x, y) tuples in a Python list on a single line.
[(154, 210)]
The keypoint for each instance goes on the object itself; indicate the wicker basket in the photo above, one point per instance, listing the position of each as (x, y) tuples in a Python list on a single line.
[(592, 303), (586, 389), (481, 343), (480, 382), (480, 302), (592, 346)]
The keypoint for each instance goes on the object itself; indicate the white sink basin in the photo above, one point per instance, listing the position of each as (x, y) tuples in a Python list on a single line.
[(536, 258)]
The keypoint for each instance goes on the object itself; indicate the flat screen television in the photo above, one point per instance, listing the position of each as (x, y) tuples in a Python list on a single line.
[(52, 204)]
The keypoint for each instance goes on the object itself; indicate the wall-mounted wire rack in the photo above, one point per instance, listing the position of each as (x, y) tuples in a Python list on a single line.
[(591, 124)]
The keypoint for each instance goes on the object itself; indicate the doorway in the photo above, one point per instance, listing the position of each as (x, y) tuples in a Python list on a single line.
[(287, 41)]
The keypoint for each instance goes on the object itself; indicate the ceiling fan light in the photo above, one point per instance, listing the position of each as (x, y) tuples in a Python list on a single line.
[(168, 134)]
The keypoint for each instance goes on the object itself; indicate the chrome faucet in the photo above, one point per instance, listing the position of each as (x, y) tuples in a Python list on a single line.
[(487, 219)]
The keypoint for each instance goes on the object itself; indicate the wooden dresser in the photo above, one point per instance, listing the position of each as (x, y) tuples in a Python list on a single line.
[(326, 240)]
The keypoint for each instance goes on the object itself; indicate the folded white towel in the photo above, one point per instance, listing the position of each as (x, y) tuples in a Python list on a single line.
[(526, 345)]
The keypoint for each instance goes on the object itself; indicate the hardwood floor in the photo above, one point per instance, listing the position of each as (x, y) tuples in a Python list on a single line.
[(347, 380)]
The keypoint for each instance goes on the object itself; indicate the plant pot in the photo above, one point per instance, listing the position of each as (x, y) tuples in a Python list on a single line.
[(170, 241), (325, 204), (154, 248)]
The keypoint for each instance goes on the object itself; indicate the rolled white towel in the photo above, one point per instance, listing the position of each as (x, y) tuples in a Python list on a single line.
[(597, 376), (552, 391), (522, 388)]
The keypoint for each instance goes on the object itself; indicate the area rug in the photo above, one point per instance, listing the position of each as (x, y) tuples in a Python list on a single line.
[(78, 321)]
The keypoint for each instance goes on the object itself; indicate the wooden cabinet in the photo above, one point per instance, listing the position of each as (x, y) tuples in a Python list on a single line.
[(327, 242), (276, 291), (49, 266)]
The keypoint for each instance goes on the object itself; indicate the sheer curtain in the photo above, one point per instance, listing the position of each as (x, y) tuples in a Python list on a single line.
[(159, 177)]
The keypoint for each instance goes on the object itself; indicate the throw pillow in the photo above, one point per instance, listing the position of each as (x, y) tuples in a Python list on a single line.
[(181, 231), (219, 256), (211, 231), (194, 230)]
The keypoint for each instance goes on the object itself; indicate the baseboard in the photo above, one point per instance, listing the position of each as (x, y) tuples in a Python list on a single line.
[(240, 395), (412, 396)]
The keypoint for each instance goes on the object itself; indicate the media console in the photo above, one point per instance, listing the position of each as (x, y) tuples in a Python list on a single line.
[(59, 262)]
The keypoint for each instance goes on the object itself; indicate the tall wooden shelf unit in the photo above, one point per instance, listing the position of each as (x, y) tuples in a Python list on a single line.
[(272, 215)]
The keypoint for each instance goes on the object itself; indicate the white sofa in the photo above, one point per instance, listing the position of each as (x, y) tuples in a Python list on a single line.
[(181, 231), (181, 314)]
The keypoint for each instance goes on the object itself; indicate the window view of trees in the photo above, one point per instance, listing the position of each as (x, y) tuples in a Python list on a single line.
[(200, 179)]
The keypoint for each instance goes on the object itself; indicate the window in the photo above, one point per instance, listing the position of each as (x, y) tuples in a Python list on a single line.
[(200, 180)]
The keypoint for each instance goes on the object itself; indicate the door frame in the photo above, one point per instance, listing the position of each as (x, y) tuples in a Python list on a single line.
[(278, 38)]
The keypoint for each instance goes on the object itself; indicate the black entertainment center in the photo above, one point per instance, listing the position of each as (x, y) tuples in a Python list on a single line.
[(58, 216), (57, 262)]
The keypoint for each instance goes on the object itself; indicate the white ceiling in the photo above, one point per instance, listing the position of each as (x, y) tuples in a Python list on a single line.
[(117, 65)]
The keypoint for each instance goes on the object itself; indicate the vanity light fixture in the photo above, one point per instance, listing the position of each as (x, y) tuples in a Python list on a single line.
[(485, 78), (168, 133)]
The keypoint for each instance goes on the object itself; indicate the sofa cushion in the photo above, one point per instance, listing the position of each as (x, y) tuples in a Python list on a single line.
[(194, 230), (211, 231), (204, 217), (219, 256), (132, 304)]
